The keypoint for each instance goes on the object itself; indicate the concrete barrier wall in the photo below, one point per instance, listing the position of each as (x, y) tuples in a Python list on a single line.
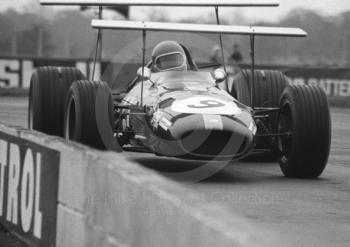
[(104, 199)]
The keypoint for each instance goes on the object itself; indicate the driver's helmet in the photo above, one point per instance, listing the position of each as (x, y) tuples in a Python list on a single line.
[(169, 55)]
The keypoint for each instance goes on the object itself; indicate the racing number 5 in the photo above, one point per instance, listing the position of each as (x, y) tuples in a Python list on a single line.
[(207, 104)]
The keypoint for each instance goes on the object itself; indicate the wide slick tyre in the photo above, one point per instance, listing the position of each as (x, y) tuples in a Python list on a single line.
[(47, 95), (89, 114), (268, 87), (306, 121)]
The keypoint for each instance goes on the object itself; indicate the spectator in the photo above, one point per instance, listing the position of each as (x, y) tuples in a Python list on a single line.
[(236, 55), (216, 57)]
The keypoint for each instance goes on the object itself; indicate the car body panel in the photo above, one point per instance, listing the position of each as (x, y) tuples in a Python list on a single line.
[(189, 116)]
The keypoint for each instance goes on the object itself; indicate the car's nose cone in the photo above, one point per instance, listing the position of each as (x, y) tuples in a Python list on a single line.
[(206, 136), (203, 127)]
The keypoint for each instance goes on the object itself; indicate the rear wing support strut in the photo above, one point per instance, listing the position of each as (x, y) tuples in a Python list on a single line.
[(143, 63), (221, 44), (98, 50), (252, 54)]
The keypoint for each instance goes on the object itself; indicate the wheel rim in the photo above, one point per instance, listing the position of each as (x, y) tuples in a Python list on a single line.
[(69, 131)]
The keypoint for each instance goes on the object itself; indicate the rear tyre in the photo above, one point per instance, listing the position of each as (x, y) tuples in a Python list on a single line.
[(89, 114), (305, 116), (268, 88), (47, 94)]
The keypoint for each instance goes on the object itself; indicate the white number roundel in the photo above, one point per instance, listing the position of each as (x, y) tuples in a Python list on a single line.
[(205, 105)]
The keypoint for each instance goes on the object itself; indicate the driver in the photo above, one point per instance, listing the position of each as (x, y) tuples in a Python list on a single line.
[(169, 56)]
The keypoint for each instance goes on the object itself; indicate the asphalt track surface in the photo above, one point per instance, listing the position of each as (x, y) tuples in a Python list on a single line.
[(298, 212)]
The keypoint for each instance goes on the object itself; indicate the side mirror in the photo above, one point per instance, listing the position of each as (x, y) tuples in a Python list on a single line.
[(219, 75), (146, 73)]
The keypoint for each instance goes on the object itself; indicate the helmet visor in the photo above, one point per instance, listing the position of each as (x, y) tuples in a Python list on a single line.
[(170, 61)]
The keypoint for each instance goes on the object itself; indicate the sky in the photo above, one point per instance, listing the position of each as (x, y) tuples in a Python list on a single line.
[(324, 7)]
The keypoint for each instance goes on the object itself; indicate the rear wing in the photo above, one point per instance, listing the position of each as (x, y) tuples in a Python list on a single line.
[(199, 28), (251, 31), (184, 3)]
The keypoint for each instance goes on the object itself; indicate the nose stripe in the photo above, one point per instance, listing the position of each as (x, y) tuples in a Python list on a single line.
[(213, 122)]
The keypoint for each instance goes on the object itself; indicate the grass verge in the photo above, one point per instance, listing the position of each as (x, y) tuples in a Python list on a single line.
[(14, 92), (339, 102)]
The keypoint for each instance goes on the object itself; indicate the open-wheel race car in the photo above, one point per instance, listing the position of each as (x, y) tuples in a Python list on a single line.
[(174, 108)]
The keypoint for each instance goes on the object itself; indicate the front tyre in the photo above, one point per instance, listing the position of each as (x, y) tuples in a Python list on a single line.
[(89, 114), (306, 124)]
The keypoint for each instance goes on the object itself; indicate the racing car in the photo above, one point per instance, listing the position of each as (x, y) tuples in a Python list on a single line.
[(176, 109)]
